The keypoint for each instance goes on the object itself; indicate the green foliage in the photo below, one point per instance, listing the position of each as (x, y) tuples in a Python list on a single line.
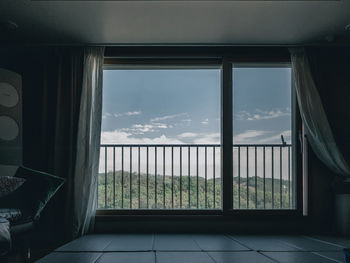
[(116, 191)]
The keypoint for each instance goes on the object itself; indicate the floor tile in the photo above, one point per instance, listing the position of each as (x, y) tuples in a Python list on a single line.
[(62, 257), (264, 243), (239, 257), (310, 244), (183, 257), (218, 243), (171, 242), (131, 242), (297, 257), (95, 243), (341, 241), (127, 257), (337, 256)]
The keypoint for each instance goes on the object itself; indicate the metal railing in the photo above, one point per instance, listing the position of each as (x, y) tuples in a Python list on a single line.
[(187, 176)]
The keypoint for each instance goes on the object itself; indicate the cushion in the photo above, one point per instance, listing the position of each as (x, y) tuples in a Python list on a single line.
[(5, 236), (9, 184), (8, 170), (34, 194), (11, 214)]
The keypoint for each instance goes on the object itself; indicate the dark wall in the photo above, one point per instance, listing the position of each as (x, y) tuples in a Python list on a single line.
[(30, 63)]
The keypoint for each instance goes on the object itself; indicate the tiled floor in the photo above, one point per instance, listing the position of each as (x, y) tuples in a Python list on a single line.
[(201, 248)]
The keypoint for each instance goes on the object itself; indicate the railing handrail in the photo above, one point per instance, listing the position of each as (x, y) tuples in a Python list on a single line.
[(195, 145)]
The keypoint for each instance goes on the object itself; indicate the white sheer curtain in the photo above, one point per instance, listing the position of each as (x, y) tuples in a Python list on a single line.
[(88, 142), (315, 121)]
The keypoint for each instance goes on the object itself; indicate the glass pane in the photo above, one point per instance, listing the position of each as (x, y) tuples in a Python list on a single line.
[(160, 139), (262, 129)]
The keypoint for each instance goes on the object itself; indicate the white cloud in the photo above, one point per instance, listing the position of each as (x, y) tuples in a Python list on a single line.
[(154, 125), (277, 138), (105, 115), (187, 135), (122, 137), (143, 128), (208, 138), (128, 113), (249, 136), (262, 137), (262, 114), (167, 117), (205, 122), (201, 138)]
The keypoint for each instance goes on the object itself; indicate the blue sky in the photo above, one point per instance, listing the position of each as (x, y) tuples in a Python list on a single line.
[(183, 106)]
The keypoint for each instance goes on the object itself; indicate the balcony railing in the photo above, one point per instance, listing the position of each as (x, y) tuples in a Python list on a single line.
[(187, 176)]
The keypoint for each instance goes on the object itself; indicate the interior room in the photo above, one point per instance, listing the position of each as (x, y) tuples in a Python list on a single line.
[(175, 131)]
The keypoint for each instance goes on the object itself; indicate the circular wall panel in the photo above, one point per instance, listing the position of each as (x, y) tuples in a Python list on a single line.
[(9, 128), (8, 95)]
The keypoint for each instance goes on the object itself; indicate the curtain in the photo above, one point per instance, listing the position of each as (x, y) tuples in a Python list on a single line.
[(314, 118), (51, 105), (88, 142)]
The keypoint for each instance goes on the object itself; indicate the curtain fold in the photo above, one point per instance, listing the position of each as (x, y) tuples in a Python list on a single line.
[(51, 130), (314, 118), (88, 142)]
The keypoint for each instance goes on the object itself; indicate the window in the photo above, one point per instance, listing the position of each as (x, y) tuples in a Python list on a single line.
[(160, 138), (262, 136), (165, 130)]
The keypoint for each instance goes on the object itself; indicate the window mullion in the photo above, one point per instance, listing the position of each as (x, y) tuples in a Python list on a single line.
[(226, 136)]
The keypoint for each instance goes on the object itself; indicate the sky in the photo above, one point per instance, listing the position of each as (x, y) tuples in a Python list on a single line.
[(182, 106)]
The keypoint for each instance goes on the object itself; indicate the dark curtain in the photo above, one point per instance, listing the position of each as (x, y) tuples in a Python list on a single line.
[(60, 103), (51, 85)]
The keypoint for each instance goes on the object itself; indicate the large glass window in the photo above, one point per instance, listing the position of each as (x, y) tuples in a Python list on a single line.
[(166, 137), (160, 141)]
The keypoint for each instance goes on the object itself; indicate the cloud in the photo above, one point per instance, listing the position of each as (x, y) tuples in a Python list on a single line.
[(262, 114), (187, 135), (262, 137), (154, 125), (167, 117), (143, 128), (208, 138), (201, 138), (205, 122), (277, 138), (122, 137), (249, 136), (105, 115), (128, 113)]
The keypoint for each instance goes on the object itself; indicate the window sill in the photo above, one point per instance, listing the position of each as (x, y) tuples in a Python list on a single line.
[(112, 214)]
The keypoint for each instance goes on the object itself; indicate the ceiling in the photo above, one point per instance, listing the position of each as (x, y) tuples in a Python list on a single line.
[(210, 22)]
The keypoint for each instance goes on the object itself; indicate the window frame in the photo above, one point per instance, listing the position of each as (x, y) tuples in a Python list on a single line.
[(225, 62)]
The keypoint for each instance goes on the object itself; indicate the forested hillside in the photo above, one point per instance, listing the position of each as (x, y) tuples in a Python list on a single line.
[(143, 195)]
